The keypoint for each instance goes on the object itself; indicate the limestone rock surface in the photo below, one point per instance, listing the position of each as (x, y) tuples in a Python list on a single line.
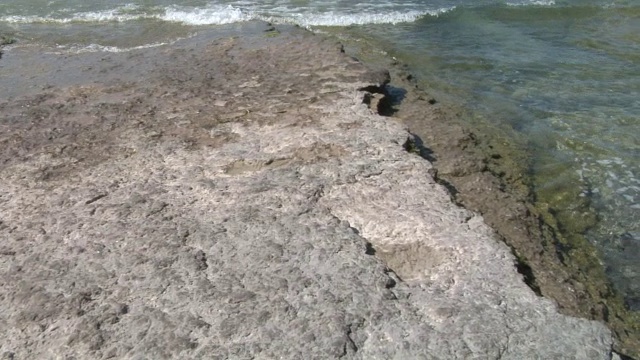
[(237, 199)]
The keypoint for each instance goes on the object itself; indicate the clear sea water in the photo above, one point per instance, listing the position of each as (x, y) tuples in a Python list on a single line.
[(564, 75)]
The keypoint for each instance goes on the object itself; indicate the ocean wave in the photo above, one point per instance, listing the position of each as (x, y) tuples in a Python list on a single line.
[(87, 17), (216, 15), (532, 3), (195, 16), (340, 19), (221, 14)]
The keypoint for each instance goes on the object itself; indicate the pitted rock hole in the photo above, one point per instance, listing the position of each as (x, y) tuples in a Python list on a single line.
[(411, 261), (316, 152), (243, 166)]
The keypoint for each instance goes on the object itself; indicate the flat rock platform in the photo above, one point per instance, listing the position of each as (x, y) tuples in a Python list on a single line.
[(234, 196)]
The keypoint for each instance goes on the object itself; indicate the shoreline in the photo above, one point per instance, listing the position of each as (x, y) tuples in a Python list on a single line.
[(560, 266), (125, 112), (488, 174)]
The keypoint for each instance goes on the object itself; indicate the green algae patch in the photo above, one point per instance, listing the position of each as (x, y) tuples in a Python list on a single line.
[(561, 204), (563, 216), (271, 32), (585, 266)]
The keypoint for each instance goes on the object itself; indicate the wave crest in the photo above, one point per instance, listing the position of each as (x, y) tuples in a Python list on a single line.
[(217, 15), (220, 14), (334, 19), (532, 3)]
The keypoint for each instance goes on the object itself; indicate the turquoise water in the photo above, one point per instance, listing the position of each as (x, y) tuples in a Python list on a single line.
[(565, 75)]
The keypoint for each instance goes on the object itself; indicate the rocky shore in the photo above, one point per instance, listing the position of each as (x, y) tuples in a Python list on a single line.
[(489, 175), (237, 196)]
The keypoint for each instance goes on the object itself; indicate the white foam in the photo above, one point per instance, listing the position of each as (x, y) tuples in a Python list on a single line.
[(532, 3), (17, 19), (105, 16), (114, 15), (215, 15), (341, 19), (220, 14), (604, 162), (199, 16)]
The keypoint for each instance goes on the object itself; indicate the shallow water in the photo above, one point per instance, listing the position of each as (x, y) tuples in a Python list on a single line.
[(568, 80), (565, 75)]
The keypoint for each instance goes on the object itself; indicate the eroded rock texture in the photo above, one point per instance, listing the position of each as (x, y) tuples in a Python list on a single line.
[(236, 198)]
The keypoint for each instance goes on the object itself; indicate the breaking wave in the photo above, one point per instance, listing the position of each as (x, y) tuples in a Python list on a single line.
[(532, 3), (220, 15)]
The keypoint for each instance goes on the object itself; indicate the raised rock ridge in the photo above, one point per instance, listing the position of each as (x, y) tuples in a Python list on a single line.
[(237, 199)]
